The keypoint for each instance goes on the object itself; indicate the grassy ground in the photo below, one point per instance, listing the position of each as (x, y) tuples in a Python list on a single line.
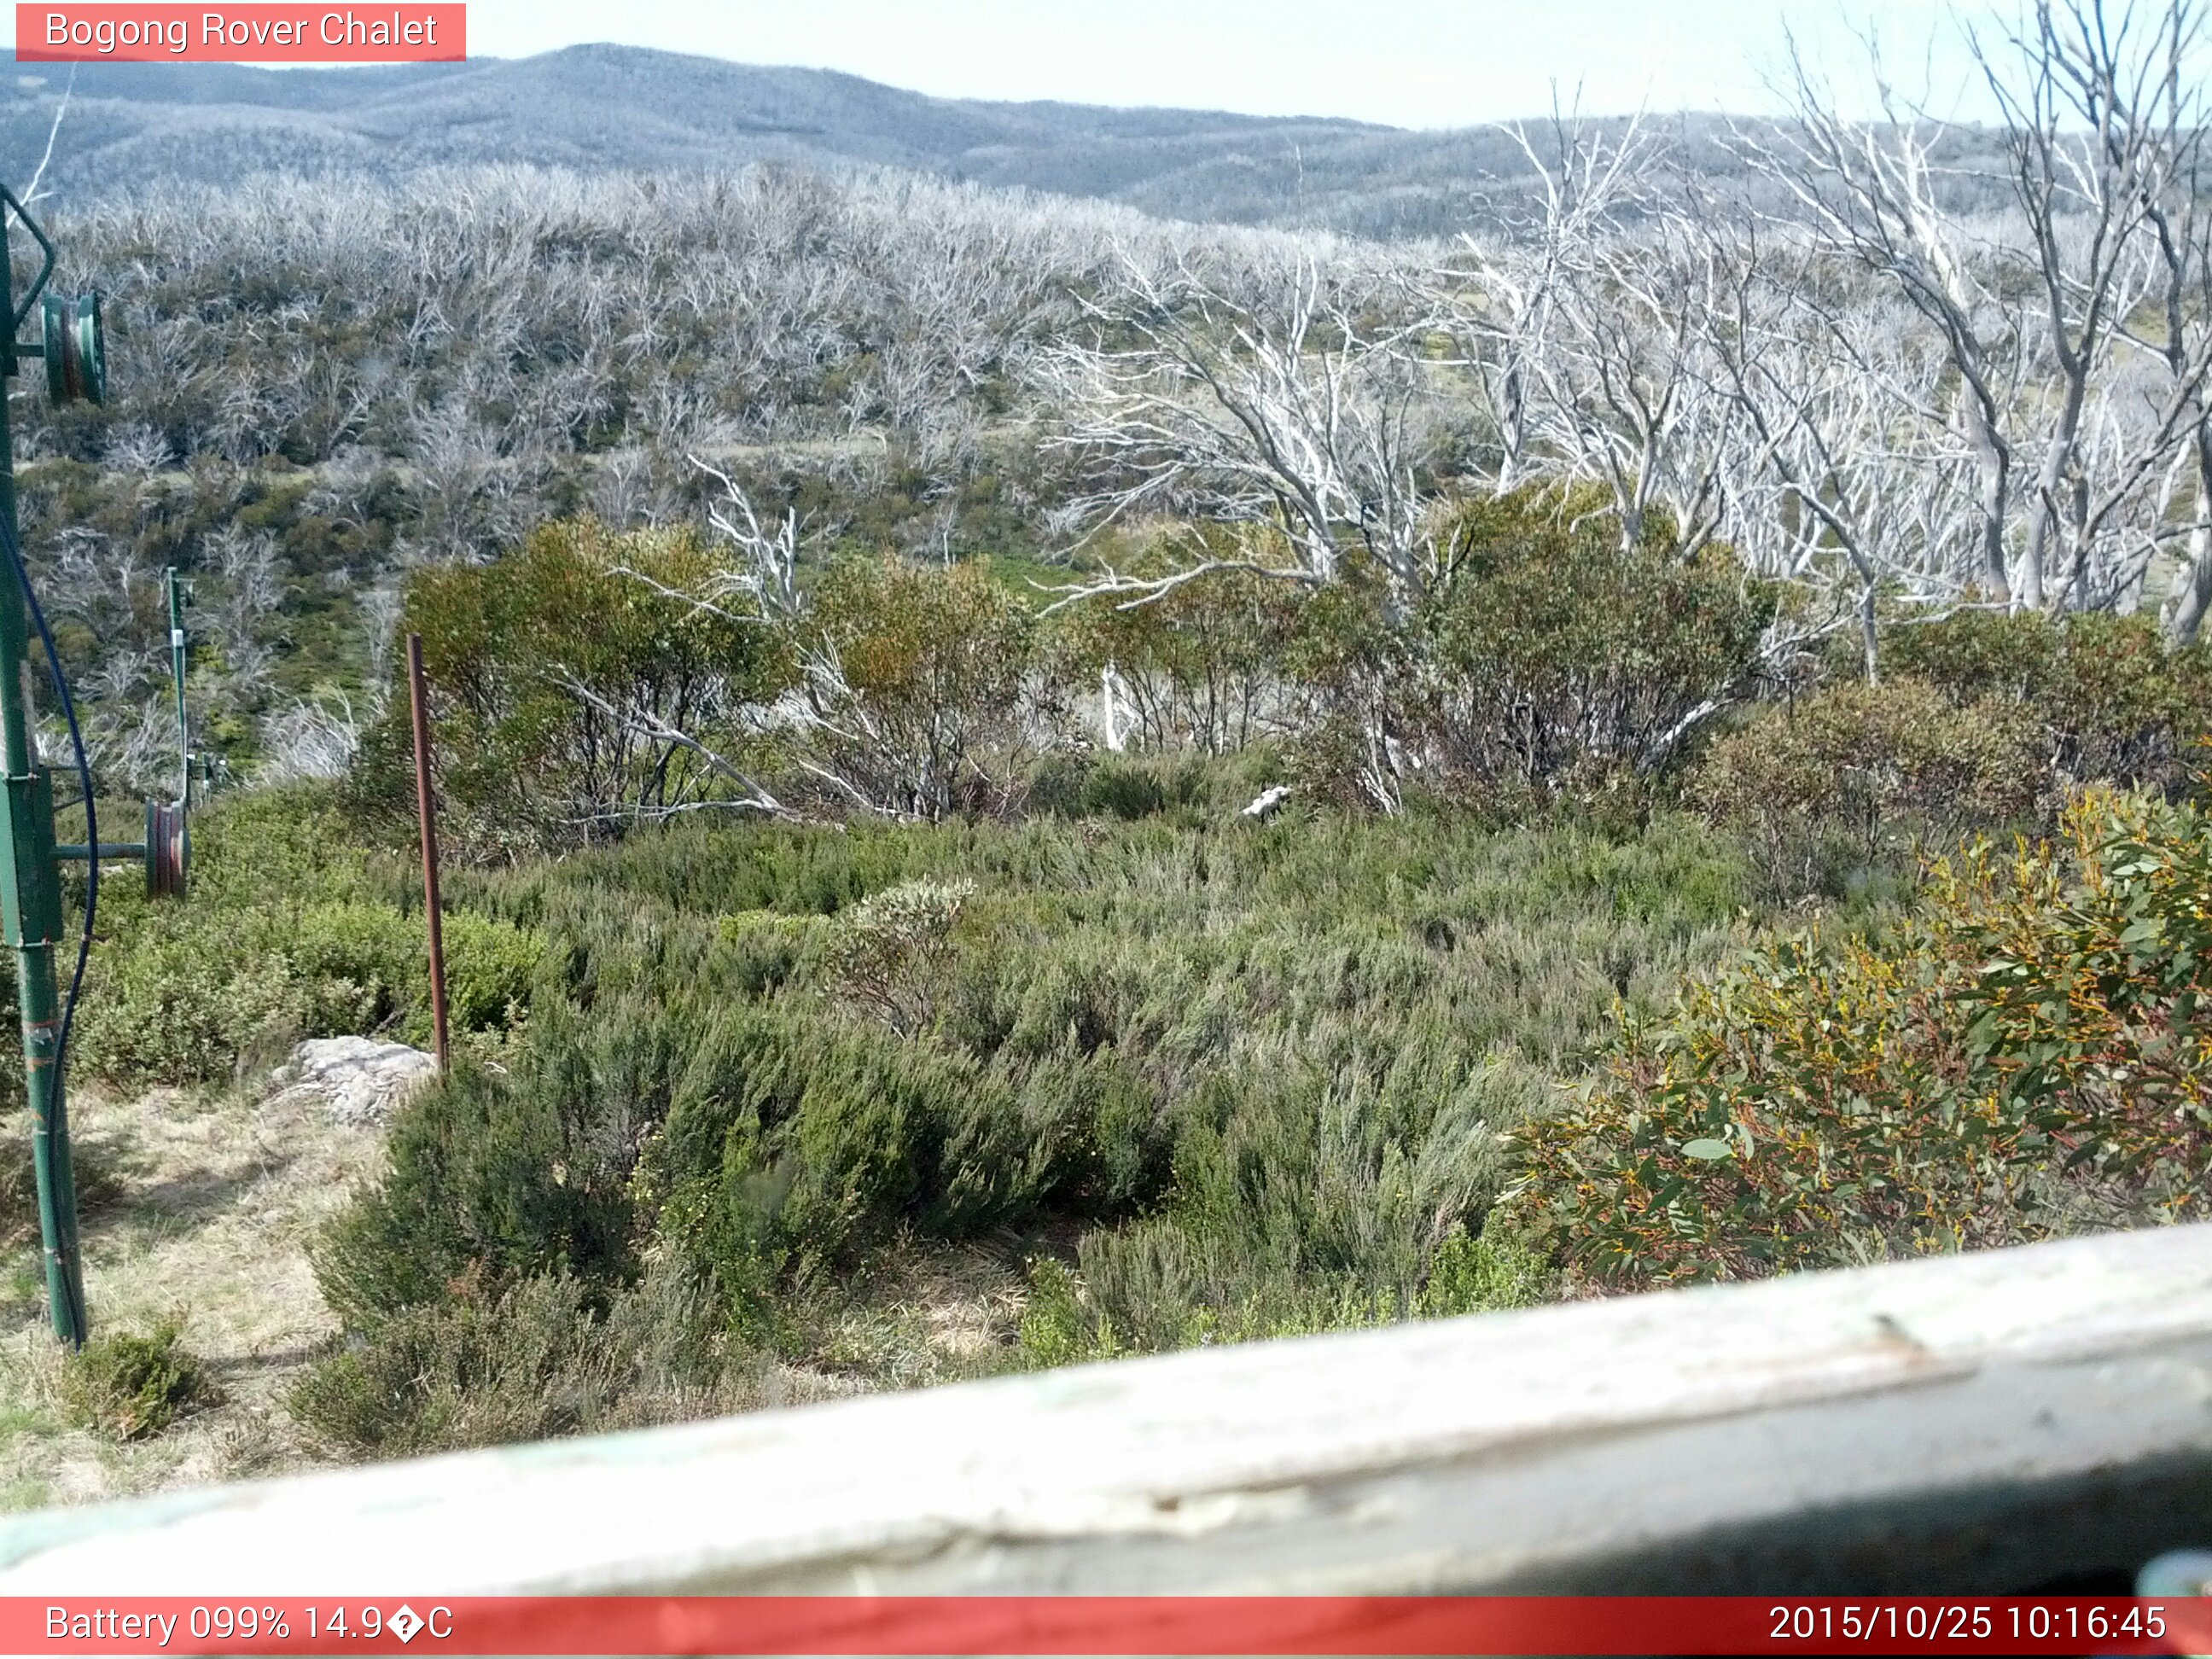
[(204, 1213)]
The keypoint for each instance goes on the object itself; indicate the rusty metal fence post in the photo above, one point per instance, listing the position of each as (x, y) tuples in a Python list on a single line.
[(427, 809)]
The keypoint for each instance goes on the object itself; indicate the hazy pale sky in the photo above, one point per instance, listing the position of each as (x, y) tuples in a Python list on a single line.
[(1410, 62)]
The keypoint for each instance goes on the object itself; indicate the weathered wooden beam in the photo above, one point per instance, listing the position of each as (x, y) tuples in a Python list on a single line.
[(1991, 1422)]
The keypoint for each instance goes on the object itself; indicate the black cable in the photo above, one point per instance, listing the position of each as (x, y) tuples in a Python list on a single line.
[(15, 552)]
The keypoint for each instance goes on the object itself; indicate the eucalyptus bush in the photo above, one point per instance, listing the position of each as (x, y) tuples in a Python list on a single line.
[(2110, 699), (1201, 666), (922, 687), (1550, 653), (2024, 1053), (577, 689)]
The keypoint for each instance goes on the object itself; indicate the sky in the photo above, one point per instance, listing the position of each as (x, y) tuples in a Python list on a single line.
[(1406, 63)]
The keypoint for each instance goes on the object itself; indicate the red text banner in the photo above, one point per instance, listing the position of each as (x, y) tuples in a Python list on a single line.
[(1076, 1625), (258, 33)]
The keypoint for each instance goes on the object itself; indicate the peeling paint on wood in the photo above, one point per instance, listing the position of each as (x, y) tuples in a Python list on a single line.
[(1983, 1422)]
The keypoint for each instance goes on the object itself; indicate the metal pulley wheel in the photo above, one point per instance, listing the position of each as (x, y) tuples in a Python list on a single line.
[(169, 850), (77, 355)]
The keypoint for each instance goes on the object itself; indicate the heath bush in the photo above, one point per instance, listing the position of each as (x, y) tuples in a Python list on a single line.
[(132, 1384), (548, 1356)]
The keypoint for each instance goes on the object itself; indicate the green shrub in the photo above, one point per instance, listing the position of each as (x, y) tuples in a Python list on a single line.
[(294, 843), (547, 1356), (1355, 672), (770, 948), (1055, 783), (1322, 1203), (1056, 1328), (291, 931), (2113, 701), (184, 992), (1541, 663), (1483, 1272), (794, 1141), (1854, 776), (933, 700), (1089, 784), (135, 1384), (179, 1003), (493, 1178), (1551, 658), (490, 968), (1160, 1286), (2026, 1053), (356, 965), (1131, 787), (548, 668), (1199, 667), (1121, 792)]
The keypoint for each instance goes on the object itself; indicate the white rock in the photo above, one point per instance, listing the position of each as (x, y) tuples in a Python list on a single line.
[(361, 1079), (1266, 801)]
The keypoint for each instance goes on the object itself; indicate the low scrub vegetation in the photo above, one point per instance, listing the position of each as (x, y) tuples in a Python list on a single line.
[(295, 930), (1209, 1078), (1511, 994), (2024, 1052), (131, 1384)]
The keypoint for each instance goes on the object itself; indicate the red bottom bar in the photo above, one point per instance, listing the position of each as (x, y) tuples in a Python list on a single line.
[(1082, 1625)]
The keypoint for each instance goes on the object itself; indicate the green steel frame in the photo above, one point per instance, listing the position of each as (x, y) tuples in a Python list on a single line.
[(30, 871), (30, 877)]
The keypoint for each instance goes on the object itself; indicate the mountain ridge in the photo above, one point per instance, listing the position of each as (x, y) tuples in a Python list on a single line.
[(605, 106)]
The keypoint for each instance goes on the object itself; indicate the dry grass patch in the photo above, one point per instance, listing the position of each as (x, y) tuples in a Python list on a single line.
[(930, 1313), (205, 1210)]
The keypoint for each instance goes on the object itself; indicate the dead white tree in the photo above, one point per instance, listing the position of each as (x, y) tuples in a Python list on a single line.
[(2086, 94), (1627, 397), (2076, 348), (33, 191), (1289, 400), (766, 571), (1870, 191), (1586, 330), (635, 721), (313, 738), (2177, 210), (1839, 398), (2185, 349), (1499, 296), (890, 762)]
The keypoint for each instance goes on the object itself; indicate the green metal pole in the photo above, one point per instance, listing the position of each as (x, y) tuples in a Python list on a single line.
[(31, 910)]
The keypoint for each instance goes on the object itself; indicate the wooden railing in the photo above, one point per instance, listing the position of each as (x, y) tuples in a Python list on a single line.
[(2006, 1421)]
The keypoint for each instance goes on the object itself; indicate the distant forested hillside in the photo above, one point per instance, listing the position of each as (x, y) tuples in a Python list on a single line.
[(601, 107)]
